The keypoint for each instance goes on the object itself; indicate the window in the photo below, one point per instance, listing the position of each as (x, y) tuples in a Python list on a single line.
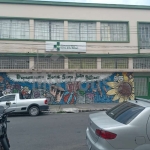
[(114, 63), (144, 35), (14, 29), (7, 98), (141, 86), (82, 63), (125, 112), (82, 31), (49, 63), (14, 62), (49, 30), (114, 32), (141, 63)]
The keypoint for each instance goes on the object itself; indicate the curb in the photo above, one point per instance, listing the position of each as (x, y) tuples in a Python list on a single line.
[(88, 110), (70, 110), (76, 110)]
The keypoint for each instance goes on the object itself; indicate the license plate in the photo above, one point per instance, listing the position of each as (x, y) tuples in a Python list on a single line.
[(88, 143)]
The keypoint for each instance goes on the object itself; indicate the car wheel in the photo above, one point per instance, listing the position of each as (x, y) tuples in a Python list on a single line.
[(34, 111), (4, 144)]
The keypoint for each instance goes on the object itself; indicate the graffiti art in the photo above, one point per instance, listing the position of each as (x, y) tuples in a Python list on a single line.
[(70, 88), (122, 88)]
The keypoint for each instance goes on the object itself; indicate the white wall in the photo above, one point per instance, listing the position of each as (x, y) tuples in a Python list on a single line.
[(77, 13)]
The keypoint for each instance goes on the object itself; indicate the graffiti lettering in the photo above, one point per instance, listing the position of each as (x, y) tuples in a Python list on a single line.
[(90, 77), (118, 78), (29, 77), (79, 76), (49, 76), (64, 76)]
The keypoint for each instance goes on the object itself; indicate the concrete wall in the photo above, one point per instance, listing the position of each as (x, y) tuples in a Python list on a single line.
[(66, 88), (92, 48)]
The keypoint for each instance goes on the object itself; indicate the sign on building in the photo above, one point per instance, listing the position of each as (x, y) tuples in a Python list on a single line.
[(65, 46)]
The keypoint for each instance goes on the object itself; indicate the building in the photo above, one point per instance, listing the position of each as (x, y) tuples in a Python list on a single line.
[(74, 52)]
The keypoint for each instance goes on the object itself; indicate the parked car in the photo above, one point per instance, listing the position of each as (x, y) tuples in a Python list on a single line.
[(124, 127), (32, 106)]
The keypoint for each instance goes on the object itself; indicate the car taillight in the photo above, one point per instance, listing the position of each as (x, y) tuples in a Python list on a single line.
[(105, 134), (46, 101)]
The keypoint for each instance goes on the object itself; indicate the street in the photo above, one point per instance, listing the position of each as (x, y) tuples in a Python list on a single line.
[(48, 132)]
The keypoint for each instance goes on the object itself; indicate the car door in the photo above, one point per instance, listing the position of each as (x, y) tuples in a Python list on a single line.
[(8, 98)]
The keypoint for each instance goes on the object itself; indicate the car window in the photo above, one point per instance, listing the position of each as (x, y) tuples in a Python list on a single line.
[(7, 98), (125, 112)]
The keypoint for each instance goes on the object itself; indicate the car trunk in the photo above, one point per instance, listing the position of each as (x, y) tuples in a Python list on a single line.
[(101, 121), (125, 132), (114, 125)]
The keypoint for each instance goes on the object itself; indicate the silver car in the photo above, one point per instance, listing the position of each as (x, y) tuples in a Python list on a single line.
[(124, 127)]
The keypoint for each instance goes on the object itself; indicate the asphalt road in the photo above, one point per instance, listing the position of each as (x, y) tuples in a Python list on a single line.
[(48, 132)]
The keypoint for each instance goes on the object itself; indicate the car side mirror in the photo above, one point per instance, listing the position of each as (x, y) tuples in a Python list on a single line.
[(8, 104)]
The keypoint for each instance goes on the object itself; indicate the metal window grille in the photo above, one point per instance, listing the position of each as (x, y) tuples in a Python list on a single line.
[(114, 63), (82, 31), (14, 29), (144, 35), (49, 30), (114, 31), (49, 63), (14, 62), (141, 87), (141, 63), (82, 63)]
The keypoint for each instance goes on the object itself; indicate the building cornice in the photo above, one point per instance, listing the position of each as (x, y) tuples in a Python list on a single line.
[(74, 4), (75, 55), (72, 70)]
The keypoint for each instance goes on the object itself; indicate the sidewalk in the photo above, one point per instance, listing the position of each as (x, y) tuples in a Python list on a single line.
[(76, 108)]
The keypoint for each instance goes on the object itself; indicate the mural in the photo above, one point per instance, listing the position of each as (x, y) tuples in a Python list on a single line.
[(70, 88)]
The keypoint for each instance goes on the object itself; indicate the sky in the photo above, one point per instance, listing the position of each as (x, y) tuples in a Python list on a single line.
[(128, 2)]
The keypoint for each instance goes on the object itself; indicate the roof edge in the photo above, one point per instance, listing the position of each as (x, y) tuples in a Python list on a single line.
[(74, 4)]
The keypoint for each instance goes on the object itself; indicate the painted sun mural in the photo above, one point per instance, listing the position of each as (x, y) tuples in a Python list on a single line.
[(122, 90)]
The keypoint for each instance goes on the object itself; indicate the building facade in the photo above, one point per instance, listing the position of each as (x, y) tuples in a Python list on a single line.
[(74, 52)]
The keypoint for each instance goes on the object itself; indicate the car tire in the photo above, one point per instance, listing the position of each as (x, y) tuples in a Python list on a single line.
[(34, 111), (4, 144)]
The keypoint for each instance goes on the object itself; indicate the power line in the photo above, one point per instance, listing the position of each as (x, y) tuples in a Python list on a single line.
[(92, 46), (20, 45), (6, 29), (30, 27), (79, 23), (99, 44)]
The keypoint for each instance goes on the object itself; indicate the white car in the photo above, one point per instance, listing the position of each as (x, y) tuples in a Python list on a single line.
[(124, 127), (31, 106)]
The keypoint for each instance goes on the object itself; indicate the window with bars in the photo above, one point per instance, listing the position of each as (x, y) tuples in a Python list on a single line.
[(14, 29), (82, 63), (141, 86), (14, 62), (141, 63), (144, 35), (82, 31), (114, 63), (49, 30), (114, 32), (49, 63)]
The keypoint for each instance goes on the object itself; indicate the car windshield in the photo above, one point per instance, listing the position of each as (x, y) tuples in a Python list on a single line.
[(125, 112)]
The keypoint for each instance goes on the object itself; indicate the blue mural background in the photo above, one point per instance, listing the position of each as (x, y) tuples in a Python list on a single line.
[(65, 92)]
